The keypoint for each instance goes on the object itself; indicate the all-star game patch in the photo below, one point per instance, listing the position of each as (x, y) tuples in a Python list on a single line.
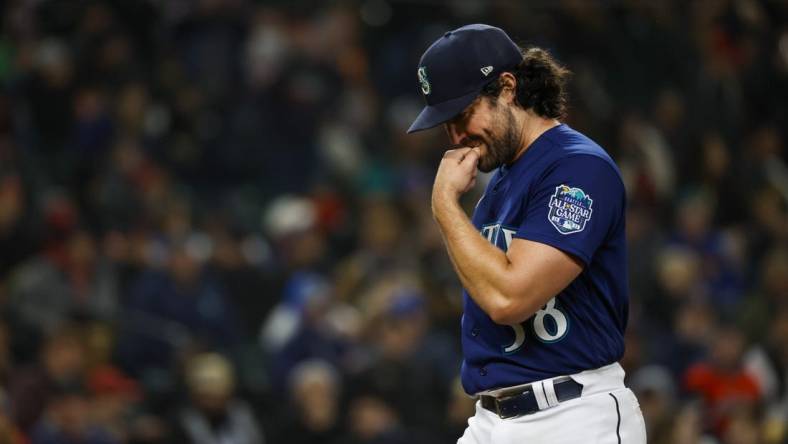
[(570, 209)]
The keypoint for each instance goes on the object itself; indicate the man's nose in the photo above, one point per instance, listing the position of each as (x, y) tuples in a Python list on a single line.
[(456, 134)]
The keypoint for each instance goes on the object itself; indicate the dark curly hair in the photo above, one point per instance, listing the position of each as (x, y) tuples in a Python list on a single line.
[(541, 84)]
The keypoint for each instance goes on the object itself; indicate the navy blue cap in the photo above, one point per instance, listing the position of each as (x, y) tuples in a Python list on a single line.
[(455, 69)]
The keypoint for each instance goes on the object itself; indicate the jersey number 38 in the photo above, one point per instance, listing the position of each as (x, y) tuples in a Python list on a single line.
[(549, 324)]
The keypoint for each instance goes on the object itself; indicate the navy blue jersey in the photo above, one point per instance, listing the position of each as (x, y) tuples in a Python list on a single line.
[(564, 191)]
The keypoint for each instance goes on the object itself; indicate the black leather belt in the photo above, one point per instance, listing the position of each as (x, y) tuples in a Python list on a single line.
[(523, 400)]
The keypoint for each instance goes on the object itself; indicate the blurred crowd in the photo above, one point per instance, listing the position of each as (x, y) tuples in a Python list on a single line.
[(213, 228)]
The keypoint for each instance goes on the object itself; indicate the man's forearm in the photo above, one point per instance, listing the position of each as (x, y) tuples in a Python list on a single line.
[(480, 265)]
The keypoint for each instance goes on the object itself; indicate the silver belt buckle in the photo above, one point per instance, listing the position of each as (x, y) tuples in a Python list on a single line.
[(504, 398)]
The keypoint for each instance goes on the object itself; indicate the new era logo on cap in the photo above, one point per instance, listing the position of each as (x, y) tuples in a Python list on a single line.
[(448, 72)]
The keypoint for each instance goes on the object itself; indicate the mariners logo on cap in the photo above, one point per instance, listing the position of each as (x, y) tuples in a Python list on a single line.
[(425, 84), (570, 209)]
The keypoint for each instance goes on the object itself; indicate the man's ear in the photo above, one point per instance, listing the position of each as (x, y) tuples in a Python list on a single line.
[(508, 84)]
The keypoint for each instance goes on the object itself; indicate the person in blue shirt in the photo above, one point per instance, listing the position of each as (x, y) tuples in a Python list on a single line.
[(543, 258)]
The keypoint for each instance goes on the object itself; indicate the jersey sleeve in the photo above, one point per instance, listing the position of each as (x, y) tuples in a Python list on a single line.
[(575, 206)]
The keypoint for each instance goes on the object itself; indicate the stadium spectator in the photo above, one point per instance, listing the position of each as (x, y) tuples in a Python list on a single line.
[(315, 413), (143, 143), (68, 419), (213, 413), (722, 381)]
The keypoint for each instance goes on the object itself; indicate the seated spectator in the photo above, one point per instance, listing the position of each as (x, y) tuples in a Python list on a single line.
[(721, 274), (410, 361), (375, 412), (172, 310), (372, 420), (315, 415), (722, 381), (213, 413), (68, 419), (297, 328), (70, 279), (61, 361), (115, 398)]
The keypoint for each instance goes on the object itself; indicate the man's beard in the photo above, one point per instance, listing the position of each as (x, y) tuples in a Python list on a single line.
[(502, 145)]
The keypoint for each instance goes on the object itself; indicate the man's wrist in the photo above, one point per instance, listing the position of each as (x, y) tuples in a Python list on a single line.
[(443, 203)]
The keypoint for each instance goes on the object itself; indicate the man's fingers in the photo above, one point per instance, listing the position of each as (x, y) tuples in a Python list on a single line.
[(471, 156), (458, 153)]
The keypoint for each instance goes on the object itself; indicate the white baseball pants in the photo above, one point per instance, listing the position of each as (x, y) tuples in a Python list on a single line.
[(606, 413)]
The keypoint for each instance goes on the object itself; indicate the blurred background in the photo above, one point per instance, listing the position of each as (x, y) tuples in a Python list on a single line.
[(213, 228)]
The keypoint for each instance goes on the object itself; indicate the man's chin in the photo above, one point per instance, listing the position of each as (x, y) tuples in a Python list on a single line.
[(486, 167)]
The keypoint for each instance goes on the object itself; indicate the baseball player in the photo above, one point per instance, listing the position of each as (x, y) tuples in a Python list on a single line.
[(543, 259)]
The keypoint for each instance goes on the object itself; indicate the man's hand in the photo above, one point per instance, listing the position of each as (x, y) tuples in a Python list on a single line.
[(456, 175)]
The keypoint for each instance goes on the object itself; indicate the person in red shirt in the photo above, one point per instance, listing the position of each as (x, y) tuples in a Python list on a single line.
[(721, 380)]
